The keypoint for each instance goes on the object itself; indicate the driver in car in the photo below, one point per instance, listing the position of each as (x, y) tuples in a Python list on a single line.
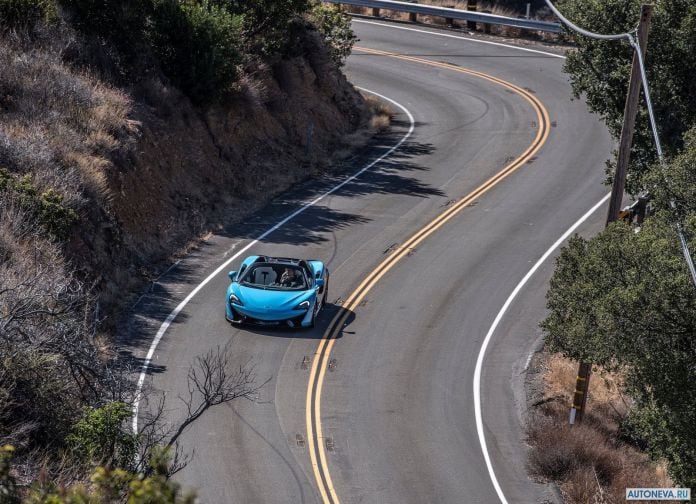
[(289, 278)]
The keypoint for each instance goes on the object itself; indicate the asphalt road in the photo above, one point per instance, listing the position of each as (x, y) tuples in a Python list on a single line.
[(397, 409)]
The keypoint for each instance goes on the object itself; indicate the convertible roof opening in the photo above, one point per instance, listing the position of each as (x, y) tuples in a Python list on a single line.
[(275, 275)]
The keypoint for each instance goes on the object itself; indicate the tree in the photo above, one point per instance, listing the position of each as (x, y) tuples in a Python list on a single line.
[(676, 181), (624, 300), (103, 436), (599, 70)]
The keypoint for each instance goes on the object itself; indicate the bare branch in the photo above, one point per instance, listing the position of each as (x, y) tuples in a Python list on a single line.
[(211, 382)]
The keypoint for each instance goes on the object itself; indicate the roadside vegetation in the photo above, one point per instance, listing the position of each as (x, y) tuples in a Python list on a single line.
[(624, 300), (592, 461), (83, 83)]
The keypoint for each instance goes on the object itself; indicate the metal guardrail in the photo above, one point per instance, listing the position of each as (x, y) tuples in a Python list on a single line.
[(449, 13)]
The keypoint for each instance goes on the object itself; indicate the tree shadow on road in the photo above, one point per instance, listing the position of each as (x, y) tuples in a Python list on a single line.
[(397, 174), (394, 175)]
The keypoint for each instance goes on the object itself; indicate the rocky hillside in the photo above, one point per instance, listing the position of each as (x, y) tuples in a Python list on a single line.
[(128, 129), (178, 170)]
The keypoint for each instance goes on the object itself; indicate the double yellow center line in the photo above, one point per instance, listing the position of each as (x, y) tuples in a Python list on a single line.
[(315, 437)]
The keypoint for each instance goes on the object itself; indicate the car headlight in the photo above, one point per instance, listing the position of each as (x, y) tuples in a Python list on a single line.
[(235, 300), (304, 305)]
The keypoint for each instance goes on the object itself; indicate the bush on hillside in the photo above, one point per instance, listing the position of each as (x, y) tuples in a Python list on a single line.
[(334, 26), (107, 485), (269, 26), (198, 45), (102, 437), (47, 208)]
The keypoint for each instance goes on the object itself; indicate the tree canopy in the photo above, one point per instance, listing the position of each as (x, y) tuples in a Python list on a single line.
[(599, 71), (624, 299)]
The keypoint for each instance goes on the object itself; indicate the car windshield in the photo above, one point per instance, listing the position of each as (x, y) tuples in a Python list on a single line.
[(275, 277)]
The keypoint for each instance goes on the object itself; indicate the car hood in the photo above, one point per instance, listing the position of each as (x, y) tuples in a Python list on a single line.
[(276, 299)]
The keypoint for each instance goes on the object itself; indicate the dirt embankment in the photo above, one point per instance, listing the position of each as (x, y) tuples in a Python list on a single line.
[(180, 171)]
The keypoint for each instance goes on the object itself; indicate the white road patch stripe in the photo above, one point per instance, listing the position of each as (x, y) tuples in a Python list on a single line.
[(487, 339), (449, 35), (529, 359), (172, 316)]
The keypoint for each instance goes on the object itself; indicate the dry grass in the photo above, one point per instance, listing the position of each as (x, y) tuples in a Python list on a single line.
[(589, 461), (605, 387), (382, 114), (380, 118), (57, 124)]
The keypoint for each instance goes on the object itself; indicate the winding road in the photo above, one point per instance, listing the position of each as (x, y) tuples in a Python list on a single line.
[(487, 164)]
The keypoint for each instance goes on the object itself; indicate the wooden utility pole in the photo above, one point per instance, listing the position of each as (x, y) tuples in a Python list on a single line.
[(582, 383), (630, 111)]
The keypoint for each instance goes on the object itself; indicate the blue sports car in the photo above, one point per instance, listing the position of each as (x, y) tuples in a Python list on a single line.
[(277, 291)]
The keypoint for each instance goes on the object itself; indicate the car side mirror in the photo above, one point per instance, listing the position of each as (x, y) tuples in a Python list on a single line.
[(232, 274), (319, 282)]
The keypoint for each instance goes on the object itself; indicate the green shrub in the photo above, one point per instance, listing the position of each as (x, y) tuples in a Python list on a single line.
[(48, 208), (198, 46), (5, 179), (53, 215), (270, 27), (334, 26), (102, 436), (25, 13)]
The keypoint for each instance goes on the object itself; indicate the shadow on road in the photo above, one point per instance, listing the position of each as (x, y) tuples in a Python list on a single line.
[(390, 176), (395, 175)]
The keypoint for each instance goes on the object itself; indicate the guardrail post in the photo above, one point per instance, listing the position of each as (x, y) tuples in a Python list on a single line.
[(523, 31), (449, 21), (487, 26), (412, 16), (375, 11), (471, 6)]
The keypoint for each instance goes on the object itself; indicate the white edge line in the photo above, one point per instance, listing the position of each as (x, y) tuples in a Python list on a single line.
[(172, 316), (487, 339), (449, 35)]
